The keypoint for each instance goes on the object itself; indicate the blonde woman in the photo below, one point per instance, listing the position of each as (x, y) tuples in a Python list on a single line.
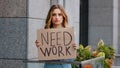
[(56, 18)]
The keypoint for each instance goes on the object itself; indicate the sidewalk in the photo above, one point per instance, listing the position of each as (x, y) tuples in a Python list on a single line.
[(115, 66)]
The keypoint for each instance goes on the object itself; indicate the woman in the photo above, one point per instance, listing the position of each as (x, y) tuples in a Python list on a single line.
[(56, 18)]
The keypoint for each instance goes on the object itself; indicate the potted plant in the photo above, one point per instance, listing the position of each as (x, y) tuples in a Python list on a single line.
[(85, 53), (107, 51)]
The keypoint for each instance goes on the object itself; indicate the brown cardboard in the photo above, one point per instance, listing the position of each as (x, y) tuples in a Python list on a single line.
[(56, 44)]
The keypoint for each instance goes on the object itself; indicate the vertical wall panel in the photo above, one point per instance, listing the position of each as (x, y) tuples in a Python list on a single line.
[(118, 26), (38, 10), (73, 12), (100, 21), (13, 33), (13, 38)]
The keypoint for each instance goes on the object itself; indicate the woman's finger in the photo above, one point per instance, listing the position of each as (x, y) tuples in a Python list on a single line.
[(74, 46), (37, 43)]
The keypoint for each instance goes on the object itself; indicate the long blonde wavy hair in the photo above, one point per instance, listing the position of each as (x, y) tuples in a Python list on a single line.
[(49, 17)]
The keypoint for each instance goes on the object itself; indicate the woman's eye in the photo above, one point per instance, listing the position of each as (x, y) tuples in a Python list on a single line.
[(53, 14), (60, 14)]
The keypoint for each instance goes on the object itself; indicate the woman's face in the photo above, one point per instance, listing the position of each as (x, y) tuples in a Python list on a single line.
[(57, 17)]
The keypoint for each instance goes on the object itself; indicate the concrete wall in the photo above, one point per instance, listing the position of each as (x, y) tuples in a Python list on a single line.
[(13, 33), (100, 21), (117, 58), (119, 26), (72, 8), (37, 13), (104, 24)]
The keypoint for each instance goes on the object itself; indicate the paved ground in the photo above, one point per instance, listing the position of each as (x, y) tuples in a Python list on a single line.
[(116, 67)]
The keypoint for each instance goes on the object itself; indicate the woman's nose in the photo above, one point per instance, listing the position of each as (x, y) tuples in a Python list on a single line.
[(57, 16)]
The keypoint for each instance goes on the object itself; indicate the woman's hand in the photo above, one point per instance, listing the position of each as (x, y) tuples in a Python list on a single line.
[(37, 42), (74, 46)]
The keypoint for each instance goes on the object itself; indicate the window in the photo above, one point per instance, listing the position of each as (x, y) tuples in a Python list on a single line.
[(83, 22)]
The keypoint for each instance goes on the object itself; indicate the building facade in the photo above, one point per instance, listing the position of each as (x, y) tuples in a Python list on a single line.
[(19, 20)]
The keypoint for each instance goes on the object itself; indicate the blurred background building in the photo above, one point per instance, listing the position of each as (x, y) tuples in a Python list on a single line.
[(19, 19)]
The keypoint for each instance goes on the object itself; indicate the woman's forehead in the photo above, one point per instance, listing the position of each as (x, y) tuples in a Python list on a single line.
[(57, 10)]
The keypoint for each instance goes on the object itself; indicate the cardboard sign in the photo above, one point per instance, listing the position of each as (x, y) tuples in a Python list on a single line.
[(56, 44)]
